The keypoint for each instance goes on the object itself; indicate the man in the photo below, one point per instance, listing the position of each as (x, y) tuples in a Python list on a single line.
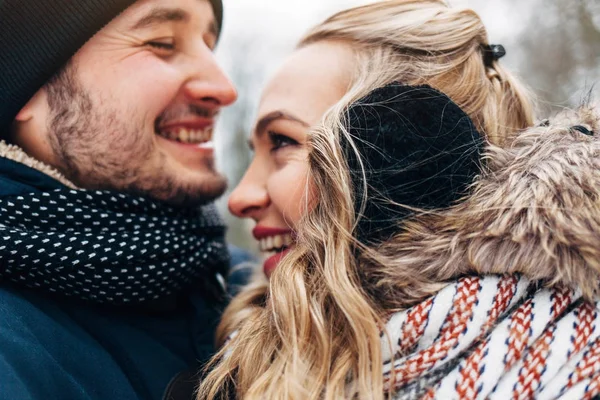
[(110, 271)]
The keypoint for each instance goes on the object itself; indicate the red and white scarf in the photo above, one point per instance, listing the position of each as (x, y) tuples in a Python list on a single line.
[(494, 338)]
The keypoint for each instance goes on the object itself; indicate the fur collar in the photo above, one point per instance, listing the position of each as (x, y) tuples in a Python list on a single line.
[(15, 153), (534, 211)]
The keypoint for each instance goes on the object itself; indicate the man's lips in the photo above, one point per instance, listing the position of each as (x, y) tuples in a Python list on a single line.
[(197, 124), (197, 132)]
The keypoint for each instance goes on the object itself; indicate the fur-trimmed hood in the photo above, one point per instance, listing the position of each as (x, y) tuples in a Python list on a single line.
[(535, 211)]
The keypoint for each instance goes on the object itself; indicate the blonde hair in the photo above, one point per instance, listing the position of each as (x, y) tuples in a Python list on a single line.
[(313, 331)]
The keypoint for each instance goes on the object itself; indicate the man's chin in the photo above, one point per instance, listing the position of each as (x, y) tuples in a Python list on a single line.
[(194, 194), (183, 176)]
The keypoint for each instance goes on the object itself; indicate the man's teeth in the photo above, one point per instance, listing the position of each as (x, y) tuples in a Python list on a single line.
[(189, 135), (276, 242)]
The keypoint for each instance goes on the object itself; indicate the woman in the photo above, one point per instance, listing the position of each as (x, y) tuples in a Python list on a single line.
[(370, 297)]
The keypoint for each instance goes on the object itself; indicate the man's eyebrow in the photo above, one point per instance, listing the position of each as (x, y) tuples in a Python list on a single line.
[(161, 15), (274, 116)]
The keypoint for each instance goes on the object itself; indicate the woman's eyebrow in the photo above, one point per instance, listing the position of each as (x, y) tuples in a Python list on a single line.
[(276, 115)]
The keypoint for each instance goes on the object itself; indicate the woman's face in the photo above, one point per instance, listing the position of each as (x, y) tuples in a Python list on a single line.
[(276, 189)]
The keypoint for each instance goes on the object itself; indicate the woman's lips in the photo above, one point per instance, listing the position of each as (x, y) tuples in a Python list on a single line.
[(261, 232), (276, 240), (271, 262)]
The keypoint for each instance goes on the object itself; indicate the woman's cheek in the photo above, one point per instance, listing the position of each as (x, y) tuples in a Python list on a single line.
[(293, 191)]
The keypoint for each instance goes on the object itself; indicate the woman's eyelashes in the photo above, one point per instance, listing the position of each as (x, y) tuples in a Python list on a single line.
[(280, 141)]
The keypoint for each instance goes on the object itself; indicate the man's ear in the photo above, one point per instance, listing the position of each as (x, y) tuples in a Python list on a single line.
[(29, 110)]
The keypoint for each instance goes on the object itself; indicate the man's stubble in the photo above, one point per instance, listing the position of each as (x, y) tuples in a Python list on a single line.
[(96, 149)]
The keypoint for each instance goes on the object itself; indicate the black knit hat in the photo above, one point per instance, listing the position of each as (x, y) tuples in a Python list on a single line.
[(418, 149), (38, 37)]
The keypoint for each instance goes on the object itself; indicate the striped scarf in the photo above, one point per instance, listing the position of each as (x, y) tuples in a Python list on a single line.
[(494, 337)]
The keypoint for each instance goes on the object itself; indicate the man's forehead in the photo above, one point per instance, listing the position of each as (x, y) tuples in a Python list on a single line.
[(146, 12)]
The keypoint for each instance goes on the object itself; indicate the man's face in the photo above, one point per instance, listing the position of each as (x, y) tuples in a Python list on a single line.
[(135, 108)]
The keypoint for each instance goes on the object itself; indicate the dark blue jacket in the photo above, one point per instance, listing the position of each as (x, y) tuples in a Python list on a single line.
[(59, 349)]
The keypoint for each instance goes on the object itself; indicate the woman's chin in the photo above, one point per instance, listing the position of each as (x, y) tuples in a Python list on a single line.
[(272, 261)]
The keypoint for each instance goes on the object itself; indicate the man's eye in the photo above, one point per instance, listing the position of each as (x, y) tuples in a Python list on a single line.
[(162, 46), (279, 141)]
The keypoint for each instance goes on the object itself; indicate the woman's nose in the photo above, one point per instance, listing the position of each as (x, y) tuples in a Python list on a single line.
[(249, 198)]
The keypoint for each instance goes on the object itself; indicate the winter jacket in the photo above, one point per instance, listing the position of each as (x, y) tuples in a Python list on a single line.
[(52, 348)]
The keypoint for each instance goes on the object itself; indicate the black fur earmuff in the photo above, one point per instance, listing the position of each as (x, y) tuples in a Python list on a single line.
[(419, 150)]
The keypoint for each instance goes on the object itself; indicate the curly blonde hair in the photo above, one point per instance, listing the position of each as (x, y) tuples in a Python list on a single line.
[(313, 331)]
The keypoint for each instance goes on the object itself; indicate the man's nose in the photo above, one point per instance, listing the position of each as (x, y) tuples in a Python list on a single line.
[(250, 198), (209, 83)]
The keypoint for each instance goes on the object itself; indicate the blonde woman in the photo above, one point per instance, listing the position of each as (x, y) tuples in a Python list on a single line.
[(407, 264)]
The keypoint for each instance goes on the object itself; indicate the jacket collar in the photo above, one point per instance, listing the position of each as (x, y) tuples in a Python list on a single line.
[(26, 172)]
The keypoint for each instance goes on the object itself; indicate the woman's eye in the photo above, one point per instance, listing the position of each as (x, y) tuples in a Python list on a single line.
[(279, 141)]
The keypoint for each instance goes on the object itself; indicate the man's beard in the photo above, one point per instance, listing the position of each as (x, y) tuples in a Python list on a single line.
[(96, 149)]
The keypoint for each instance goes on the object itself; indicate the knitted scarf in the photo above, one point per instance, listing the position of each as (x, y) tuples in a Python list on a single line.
[(494, 338), (109, 248)]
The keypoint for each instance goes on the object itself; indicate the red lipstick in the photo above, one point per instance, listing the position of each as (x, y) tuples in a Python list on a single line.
[(271, 262), (261, 232)]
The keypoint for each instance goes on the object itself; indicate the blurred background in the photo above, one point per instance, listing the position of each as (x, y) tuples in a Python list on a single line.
[(553, 45)]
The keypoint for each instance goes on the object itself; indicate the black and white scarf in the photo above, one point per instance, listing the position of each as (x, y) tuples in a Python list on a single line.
[(108, 248)]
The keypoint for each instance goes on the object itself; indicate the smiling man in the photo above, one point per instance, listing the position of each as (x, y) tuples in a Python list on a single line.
[(111, 256), (134, 108)]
